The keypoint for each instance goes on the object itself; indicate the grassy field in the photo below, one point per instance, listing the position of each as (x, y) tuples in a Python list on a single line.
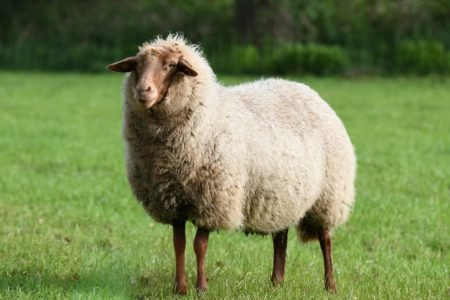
[(71, 229)]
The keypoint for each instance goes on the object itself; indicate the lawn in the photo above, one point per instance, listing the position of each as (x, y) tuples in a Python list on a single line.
[(70, 227)]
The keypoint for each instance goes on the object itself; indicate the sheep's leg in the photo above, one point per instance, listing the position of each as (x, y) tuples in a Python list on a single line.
[(279, 256), (200, 247), (325, 245), (179, 244)]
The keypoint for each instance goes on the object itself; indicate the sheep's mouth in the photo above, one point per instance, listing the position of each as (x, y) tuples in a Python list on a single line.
[(148, 103)]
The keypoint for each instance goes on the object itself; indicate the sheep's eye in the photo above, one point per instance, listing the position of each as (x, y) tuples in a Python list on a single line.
[(172, 64)]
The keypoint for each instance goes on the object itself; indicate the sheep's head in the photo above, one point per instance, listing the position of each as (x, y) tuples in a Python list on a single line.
[(154, 69)]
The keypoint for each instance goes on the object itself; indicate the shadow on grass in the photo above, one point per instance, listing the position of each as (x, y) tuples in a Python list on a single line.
[(141, 286), (152, 285), (32, 282)]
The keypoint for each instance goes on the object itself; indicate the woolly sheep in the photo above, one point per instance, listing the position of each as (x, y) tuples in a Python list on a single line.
[(259, 157)]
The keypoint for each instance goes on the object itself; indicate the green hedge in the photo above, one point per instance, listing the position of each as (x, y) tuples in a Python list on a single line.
[(282, 60), (408, 57), (308, 59), (422, 57)]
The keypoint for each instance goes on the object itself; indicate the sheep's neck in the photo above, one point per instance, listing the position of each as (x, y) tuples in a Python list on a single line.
[(189, 129)]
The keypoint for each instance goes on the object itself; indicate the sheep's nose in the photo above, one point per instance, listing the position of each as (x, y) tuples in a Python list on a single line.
[(143, 90)]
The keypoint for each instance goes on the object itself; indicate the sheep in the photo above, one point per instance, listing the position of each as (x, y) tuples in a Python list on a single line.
[(258, 157)]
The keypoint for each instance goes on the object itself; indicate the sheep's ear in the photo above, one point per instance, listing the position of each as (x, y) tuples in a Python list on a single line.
[(125, 65), (185, 67)]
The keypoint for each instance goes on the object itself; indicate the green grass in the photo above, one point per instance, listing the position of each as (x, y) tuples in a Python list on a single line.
[(71, 229)]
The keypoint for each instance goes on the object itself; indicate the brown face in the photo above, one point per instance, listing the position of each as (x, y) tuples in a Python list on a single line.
[(154, 69)]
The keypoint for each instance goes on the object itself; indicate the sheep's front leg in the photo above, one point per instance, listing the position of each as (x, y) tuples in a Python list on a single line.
[(200, 247), (325, 246), (279, 256), (179, 244)]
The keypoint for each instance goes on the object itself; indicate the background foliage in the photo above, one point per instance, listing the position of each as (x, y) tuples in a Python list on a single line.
[(239, 36)]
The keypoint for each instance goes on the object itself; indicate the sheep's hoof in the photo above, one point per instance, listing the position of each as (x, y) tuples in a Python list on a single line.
[(277, 281), (180, 289), (201, 285), (330, 286), (201, 289)]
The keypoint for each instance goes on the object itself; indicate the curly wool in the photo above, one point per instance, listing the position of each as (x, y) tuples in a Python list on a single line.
[(260, 156)]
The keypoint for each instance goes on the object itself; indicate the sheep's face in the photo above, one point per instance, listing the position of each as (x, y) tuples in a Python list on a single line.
[(154, 70)]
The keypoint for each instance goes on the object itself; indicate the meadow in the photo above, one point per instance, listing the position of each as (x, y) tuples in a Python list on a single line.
[(70, 228)]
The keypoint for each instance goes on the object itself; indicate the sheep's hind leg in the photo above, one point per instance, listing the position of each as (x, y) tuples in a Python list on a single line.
[(179, 244), (279, 256), (325, 246), (200, 247)]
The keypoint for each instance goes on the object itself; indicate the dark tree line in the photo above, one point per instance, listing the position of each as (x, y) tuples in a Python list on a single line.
[(66, 34)]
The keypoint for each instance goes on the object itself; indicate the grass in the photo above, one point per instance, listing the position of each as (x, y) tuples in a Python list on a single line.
[(70, 228)]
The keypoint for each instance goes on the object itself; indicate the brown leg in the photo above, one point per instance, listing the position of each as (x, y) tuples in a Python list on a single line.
[(200, 247), (279, 256), (325, 245), (179, 244)]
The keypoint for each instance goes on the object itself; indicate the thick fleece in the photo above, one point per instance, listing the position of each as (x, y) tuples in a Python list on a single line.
[(260, 156)]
